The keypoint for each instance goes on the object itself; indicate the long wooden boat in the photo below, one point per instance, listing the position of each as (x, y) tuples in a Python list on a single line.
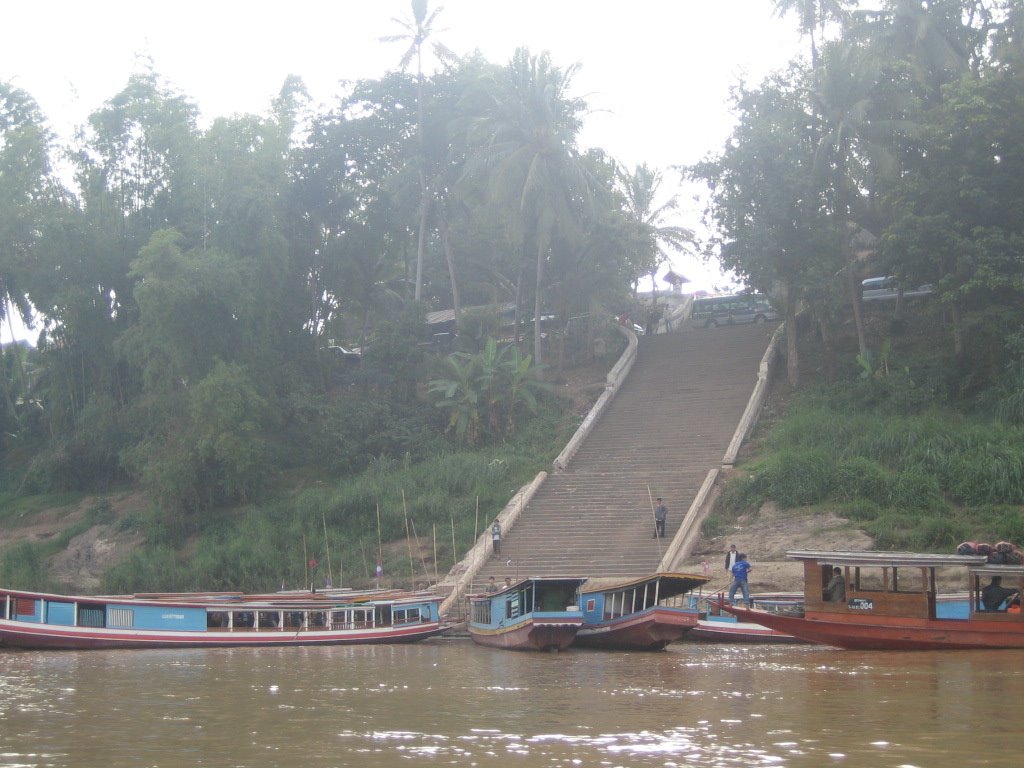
[(644, 614), (892, 603), (534, 614), (41, 620)]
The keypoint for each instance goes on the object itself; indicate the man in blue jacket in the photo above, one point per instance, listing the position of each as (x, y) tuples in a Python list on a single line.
[(740, 570)]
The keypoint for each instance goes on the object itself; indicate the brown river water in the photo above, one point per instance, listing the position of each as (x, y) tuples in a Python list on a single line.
[(450, 703)]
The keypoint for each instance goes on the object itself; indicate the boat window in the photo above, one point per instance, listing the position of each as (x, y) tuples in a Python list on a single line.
[(216, 619), (405, 615), (91, 615), (243, 620), (481, 612), (122, 618), (269, 619), (318, 619), (512, 606)]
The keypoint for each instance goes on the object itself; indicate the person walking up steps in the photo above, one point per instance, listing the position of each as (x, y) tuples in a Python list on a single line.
[(496, 536), (660, 514)]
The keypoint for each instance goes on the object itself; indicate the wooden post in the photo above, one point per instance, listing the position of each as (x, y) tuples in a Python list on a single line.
[(408, 541), (327, 549)]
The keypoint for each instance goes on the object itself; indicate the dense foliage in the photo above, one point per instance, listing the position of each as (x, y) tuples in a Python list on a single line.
[(896, 151), (196, 288)]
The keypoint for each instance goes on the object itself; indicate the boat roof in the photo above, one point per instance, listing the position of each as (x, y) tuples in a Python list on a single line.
[(297, 600), (890, 559), (569, 581), (671, 583), (993, 569)]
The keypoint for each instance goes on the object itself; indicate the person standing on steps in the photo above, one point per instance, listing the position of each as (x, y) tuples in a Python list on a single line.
[(660, 514), (730, 558), (496, 536)]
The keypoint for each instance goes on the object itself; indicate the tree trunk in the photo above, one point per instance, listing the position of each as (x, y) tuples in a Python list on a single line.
[(858, 315), (538, 302), (421, 239), (958, 330), (792, 355), (449, 256)]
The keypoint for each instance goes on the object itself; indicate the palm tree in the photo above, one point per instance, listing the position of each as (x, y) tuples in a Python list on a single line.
[(814, 17), (418, 30), (525, 148), (646, 219)]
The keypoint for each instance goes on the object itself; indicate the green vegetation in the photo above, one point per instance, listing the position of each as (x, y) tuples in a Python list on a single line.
[(194, 286), (916, 473), (894, 150)]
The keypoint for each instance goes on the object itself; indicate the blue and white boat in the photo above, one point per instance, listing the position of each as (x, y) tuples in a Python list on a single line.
[(333, 617), (644, 614), (534, 614)]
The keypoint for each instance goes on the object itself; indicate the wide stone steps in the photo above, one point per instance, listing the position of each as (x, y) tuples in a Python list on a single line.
[(670, 424)]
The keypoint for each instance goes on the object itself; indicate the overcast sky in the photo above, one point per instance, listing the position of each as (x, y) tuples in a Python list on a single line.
[(656, 73)]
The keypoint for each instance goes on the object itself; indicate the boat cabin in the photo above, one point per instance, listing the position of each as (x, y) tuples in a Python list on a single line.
[(612, 601), (526, 597), (904, 585)]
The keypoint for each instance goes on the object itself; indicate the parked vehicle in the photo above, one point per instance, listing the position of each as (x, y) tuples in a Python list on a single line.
[(888, 289), (736, 309)]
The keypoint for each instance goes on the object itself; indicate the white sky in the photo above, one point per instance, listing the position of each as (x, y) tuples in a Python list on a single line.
[(656, 73)]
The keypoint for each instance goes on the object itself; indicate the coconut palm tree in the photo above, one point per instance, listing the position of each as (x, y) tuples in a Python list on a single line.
[(417, 30), (524, 145), (647, 219), (814, 17)]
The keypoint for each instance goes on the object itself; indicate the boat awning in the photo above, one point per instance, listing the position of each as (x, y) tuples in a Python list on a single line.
[(671, 584), (889, 559), (993, 569)]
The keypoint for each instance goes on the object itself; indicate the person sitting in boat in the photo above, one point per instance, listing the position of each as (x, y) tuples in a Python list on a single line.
[(835, 590), (995, 595), (492, 585)]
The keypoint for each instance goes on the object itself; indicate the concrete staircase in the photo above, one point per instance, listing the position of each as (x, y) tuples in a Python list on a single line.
[(668, 426)]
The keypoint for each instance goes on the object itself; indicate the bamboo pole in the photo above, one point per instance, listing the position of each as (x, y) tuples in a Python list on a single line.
[(380, 551), (366, 565), (305, 563), (408, 541), (327, 549), (654, 519), (434, 527), (455, 552), (419, 549)]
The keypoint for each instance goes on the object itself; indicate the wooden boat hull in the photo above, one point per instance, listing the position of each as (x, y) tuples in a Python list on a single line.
[(528, 635), (19, 635), (648, 630), (888, 633), (726, 631)]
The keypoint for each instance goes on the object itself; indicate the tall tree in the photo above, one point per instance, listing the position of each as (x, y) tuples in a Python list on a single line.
[(418, 30), (525, 143), (648, 218), (814, 16)]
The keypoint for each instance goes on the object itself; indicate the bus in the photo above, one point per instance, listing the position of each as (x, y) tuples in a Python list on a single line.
[(711, 311)]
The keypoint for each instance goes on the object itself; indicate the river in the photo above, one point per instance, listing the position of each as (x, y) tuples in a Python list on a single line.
[(450, 703)]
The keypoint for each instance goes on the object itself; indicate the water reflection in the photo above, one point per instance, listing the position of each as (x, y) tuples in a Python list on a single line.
[(452, 703)]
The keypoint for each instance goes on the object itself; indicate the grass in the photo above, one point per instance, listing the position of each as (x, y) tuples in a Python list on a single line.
[(923, 480), (421, 505)]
